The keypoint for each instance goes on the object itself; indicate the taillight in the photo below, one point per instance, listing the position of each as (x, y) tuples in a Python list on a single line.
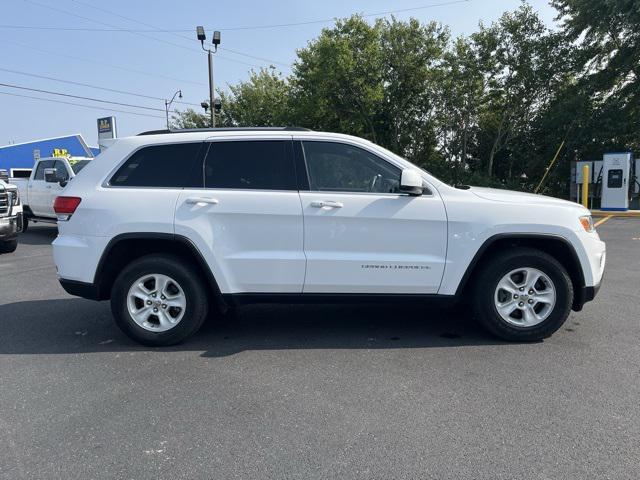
[(65, 207)]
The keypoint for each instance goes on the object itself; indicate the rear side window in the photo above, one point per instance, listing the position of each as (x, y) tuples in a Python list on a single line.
[(40, 170), (77, 166), (167, 166), (255, 165)]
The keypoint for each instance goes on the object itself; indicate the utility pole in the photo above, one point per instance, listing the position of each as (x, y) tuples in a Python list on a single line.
[(212, 91), (212, 94)]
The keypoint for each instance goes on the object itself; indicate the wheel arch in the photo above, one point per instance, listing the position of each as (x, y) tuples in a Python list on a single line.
[(125, 248), (555, 245)]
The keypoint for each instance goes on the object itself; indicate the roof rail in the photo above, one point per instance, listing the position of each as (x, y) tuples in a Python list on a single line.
[(226, 129)]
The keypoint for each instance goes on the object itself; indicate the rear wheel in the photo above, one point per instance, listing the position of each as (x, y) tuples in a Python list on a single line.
[(523, 295), (158, 300), (8, 246)]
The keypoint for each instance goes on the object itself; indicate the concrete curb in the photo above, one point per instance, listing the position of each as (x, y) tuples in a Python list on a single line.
[(608, 213)]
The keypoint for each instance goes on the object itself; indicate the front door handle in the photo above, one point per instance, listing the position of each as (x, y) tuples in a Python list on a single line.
[(199, 200), (327, 203)]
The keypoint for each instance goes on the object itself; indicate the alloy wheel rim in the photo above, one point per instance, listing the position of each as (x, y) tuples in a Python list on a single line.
[(156, 302), (525, 297)]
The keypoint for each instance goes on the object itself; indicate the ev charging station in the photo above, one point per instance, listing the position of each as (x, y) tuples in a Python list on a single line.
[(616, 170), (614, 182)]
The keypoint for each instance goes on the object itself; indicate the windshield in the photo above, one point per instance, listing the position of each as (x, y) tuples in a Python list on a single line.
[(77, 166)]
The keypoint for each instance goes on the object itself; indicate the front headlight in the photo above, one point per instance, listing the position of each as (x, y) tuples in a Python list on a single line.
[(16, 198), (587, 223)]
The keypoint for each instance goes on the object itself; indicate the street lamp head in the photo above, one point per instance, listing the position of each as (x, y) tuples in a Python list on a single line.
[(216, 38), (200, 32), (205, 105), (179, 93)]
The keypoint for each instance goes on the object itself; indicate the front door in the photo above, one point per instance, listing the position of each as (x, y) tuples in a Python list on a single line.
[(247, 218), (40, 191), (55, 189), (360, 234)]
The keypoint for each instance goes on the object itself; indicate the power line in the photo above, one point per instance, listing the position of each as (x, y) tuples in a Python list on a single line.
[(133, 32), (71, 82), (101, 63), (80, 97), (80, 105), (175, 34), (246, 27), (331, 20)]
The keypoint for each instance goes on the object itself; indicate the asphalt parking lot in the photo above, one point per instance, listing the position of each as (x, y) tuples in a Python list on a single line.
[(316, 392)]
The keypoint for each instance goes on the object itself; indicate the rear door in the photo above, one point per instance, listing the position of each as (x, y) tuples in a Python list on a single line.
[(246, 219), (40, 191), (360, 234)]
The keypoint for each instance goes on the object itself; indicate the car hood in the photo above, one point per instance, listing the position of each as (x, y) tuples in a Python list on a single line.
[(7, 187), (510, 196)]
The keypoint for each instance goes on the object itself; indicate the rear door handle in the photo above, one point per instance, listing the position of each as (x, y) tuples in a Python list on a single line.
[(198, 200), (327, 203)]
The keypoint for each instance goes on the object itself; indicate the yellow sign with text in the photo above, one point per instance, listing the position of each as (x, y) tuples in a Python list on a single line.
[(61, 152)]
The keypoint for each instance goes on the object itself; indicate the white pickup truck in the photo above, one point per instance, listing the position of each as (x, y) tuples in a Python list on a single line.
[(48, 178), (10, 217)]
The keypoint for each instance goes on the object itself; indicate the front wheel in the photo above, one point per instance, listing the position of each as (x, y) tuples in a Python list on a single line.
[(159, 300), (8, 246), (523, 295)]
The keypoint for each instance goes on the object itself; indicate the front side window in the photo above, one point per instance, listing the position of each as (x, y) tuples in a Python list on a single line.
[(61, 170), (40, 170), (338, 167), (250, 165), (163, 166)]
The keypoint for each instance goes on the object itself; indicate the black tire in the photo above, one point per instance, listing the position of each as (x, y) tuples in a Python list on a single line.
[(197, 304), (25, 224), (8, 246), (500, 265)]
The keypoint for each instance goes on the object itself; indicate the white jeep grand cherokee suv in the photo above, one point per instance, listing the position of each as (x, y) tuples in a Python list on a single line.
[(171, 225)]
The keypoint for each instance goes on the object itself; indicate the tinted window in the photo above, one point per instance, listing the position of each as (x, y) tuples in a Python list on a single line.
[(337, 167), (159, 166), (261, 165), (40, 170)]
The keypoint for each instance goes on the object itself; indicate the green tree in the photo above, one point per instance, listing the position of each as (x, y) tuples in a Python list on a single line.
[(261, 101), (337, 79), (606, 35)]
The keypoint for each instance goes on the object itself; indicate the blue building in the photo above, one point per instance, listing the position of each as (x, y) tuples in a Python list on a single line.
[(22, 155)]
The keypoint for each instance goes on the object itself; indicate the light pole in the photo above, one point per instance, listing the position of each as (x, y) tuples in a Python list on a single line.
[(167, 104), (216, 41)]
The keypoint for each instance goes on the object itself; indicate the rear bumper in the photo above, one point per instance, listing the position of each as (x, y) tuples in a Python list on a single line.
[(80, 289)]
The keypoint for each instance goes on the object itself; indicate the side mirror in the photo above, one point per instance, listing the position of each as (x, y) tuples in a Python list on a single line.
[(411, 182), (50, 175)]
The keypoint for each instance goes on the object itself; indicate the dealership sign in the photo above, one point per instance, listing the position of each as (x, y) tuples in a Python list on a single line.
[(106, 131)]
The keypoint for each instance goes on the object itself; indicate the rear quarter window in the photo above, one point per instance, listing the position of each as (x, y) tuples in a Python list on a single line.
[(161, 166)]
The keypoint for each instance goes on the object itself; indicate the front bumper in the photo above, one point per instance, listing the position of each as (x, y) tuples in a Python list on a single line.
[(10, 227), (584, 295)]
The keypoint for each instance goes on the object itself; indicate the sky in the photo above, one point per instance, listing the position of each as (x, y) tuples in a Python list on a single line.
[(75, 41)]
